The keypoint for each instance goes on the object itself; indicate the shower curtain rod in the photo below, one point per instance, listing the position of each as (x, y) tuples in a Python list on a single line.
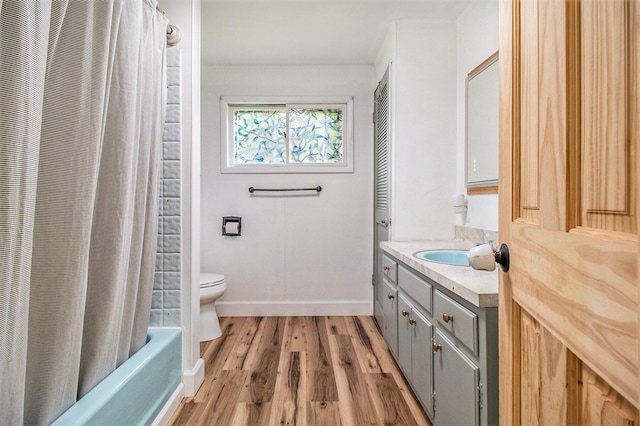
[(174, 35)]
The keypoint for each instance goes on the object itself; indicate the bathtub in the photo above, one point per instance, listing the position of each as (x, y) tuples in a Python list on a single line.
[(139, 390)]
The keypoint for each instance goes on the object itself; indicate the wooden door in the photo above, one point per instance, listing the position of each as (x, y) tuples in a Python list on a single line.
[(569, 211)]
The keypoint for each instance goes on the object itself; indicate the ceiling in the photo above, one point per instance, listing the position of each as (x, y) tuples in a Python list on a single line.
[(303, 32)]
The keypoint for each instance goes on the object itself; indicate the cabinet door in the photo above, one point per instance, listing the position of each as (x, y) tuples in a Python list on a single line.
[(422, 360), (390, 311), (404, 335), (456, 385)]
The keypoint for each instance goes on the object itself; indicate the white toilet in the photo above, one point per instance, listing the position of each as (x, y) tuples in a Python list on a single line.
[(212, 287)]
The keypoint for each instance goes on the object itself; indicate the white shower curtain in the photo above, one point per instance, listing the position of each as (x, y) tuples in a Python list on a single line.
[(82, 88)]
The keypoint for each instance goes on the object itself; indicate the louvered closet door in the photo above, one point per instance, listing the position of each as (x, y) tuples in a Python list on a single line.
[(569, 126), (381, 189)]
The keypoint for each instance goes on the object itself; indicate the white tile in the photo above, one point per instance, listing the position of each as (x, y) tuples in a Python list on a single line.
[(170, 170), (155, 319), (171, 262), (171, 132), (171, 280), (171, 299), (171, 318), (173, 113), (171, 207), (171, 244), (158, 280), (171, 187), (174, 57), (156, 299), (173, 76), (171, 225), (171, 150), (174, 95)]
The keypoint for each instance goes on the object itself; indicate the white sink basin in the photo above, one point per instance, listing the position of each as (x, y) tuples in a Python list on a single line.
[(449, 257)]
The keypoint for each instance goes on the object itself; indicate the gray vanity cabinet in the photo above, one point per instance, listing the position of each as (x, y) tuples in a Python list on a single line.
[(446, 347), (456, 380), (390, 313), (465, 361), (387, 297), (414, 358)]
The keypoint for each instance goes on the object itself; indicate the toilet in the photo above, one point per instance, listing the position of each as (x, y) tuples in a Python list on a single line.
[(212, 287)]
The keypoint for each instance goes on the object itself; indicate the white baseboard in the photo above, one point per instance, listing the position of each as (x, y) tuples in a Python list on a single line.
[(170, 407), (297, 308), (194, 378)]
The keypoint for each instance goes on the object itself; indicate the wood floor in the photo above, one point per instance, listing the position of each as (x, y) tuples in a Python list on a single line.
[(300, 371)]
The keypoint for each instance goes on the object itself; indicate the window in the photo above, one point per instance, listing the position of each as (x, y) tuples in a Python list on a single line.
[(286, 136)]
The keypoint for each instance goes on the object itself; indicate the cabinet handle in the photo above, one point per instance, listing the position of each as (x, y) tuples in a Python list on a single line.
[(412, 321), (447, 317), (385, 267), (436, 347), (390, 296), (405, 313)]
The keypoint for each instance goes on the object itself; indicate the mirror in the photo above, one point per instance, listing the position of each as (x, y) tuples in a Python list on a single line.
[(482, 127)]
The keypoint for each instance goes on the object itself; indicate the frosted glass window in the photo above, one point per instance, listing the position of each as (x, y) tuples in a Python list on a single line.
[(316, 135), (287, 138), (259, 136)]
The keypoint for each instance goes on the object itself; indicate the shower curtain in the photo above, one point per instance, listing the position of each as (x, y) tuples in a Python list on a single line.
[(82, 91)]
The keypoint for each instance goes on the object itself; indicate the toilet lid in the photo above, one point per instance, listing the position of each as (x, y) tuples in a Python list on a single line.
[(209, 280)]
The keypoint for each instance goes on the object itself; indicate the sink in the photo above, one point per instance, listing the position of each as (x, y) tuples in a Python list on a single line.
[(449, 257)]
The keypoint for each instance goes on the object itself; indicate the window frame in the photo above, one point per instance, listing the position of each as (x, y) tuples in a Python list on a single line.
[(229, 103)]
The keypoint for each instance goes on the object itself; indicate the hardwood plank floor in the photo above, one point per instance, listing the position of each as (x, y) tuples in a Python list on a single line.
[(300, 371)]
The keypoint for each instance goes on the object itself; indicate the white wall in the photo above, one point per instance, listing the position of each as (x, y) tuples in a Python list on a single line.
[(298, 255), (477, 40), (186, 16), (423, 127)]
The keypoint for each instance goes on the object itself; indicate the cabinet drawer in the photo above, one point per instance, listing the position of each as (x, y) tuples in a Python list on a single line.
[(458, 320), (390, 268), (416, 287)]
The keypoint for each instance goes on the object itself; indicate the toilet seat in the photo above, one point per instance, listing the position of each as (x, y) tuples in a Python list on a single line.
[(210, 280)]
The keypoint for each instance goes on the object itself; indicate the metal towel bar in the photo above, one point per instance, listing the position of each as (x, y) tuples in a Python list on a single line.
[(252, 189)]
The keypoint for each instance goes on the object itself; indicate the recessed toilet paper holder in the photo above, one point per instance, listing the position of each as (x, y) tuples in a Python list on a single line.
[(231, 226)]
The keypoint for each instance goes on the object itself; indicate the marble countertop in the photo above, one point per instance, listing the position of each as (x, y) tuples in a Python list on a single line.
[(477, 287)]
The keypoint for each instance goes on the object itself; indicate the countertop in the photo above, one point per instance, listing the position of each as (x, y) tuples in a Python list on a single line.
[(477, 287)]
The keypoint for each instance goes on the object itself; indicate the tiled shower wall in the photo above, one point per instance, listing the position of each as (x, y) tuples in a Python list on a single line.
[(165, 307)]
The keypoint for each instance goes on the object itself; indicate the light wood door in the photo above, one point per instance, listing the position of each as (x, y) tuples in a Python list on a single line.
[(569, 211)]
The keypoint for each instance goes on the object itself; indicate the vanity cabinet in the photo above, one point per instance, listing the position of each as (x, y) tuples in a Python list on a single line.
[(446, 347), (414, 357), (390, 313), (387, 296), (456, 380)]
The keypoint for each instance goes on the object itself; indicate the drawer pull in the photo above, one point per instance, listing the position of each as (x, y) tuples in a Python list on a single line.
[(447, 317), (385, 267), (412, 321), (405, 313), (436, 347), (390, 296)]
